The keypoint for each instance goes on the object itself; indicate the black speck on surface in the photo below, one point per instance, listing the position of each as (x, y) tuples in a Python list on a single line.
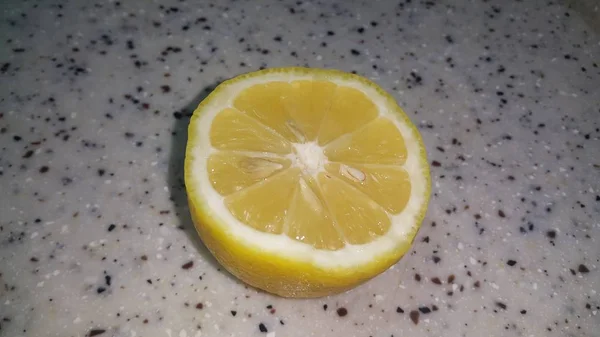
[(95, 332), (66, 181), (414, 316), (583, 269), (262, 328), (425, 310), (342, 312)]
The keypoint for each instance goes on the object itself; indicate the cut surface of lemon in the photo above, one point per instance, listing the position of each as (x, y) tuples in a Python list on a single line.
[(305, 182)]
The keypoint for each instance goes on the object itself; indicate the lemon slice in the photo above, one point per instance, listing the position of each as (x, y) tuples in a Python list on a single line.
[(305, 182)]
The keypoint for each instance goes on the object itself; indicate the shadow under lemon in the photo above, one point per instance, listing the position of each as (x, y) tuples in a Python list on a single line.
[(178, 195)]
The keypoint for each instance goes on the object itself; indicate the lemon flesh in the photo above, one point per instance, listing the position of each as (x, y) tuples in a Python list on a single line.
[(305, 182)]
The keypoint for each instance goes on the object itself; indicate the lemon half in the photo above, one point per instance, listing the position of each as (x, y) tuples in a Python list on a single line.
[(305, 182)]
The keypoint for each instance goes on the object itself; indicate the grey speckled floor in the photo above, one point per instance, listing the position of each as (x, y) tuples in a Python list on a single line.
[(95, 99)]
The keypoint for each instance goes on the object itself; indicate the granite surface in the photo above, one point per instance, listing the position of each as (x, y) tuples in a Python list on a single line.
[(95, 236)]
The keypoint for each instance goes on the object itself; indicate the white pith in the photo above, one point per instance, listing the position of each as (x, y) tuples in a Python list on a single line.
[(308, 156)]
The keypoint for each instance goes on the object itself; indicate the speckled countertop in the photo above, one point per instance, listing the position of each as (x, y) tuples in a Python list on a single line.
[(95, 237)]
